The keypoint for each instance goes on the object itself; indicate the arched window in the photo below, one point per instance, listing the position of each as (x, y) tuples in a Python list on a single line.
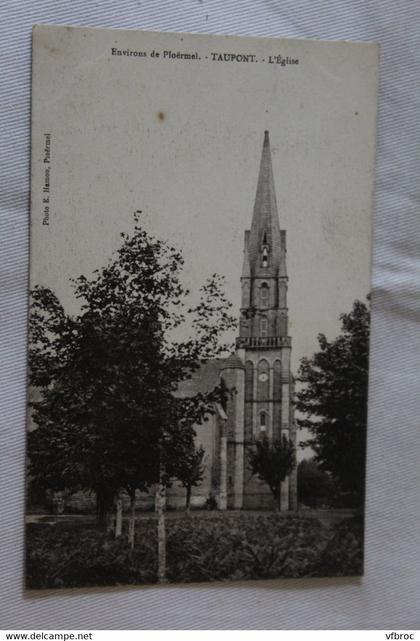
[(263, 422), (277, 380), (264, 259), (277, 397), (263, 327), (264, 295), (264, 251)]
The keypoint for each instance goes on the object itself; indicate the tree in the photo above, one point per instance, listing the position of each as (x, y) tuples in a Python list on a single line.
[(272, 461), (334, 400), (191, 471), (106, 413), (314, 486)]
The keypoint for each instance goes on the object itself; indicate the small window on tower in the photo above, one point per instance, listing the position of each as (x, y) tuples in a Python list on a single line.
[(263, 327), (265, 256), (263, 422)]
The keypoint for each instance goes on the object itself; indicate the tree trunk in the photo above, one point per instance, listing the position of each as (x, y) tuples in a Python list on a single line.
[(188, 501), (284, 495), (118, 517), (109, 522), (161, 531), (222, 502), (103, 506), (277, 498), (132, 519)]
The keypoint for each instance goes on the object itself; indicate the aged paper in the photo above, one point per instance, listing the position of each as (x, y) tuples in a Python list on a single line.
[(226, 440)]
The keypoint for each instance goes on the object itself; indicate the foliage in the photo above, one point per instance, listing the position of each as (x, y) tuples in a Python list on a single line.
[(106, 411), (243, 547), (343, 555), (334, 400), (200, 548), (272, 461), (315, 487), (69, 556), (190, 470)]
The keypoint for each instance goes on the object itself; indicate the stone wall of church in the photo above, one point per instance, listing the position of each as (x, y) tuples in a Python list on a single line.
[(267, 413), (207, 437)]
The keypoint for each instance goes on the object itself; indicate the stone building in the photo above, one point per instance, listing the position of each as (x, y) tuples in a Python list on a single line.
[(259, 370)]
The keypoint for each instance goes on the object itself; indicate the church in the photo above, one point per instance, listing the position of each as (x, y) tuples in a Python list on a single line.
[(258, 371)]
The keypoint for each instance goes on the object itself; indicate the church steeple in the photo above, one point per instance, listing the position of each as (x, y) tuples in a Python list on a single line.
[(263, 322), (264, 242)]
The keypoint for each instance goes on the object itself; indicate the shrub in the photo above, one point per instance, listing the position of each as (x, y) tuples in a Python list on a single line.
[(208, 547), (70, 556), (343, 555), (315, 487), (243, 547)]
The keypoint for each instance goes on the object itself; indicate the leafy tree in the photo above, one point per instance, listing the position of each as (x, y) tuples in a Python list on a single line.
[(191, 471), (334, 400), (314, 485), (106, 413), (272, 461)]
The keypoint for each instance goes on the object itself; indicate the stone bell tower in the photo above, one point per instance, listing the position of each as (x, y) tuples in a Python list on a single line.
[(263, 344)]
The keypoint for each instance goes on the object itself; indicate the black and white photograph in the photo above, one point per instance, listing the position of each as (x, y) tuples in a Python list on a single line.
[(199, 312)]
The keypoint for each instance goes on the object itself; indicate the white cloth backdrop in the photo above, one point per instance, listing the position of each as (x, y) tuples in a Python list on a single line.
[(389, 594)]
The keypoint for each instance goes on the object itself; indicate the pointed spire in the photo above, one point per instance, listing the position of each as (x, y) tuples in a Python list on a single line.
[(264, 245), (266, 138)]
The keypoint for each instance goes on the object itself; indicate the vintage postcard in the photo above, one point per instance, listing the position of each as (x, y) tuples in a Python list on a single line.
[(199, 307)]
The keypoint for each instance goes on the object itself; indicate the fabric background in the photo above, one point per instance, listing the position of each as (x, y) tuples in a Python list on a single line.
[(389, 594)]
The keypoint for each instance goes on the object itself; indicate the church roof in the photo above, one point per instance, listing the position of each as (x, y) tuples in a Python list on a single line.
[(233, 361), (207, 376)]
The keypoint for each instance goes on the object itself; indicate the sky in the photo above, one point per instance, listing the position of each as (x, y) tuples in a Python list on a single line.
[(181, 140)]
